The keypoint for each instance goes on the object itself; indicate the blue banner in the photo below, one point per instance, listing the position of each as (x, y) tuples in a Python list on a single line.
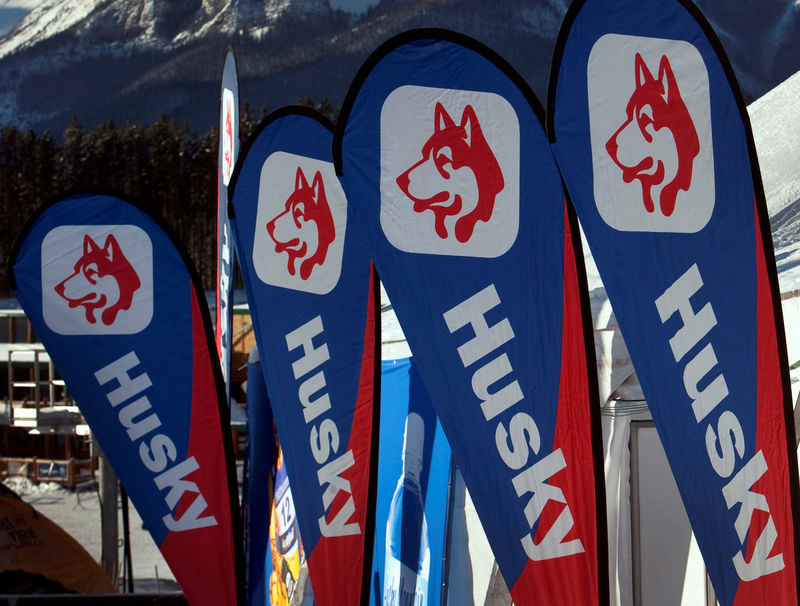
[(313, 299), (120, 310), (411, 508), (228, 151), (444, 159), (260, 458), (653, 140)]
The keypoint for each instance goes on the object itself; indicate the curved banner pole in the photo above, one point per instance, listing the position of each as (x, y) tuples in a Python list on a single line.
[(313, 298), (119, 308), (652, 137), (443, 157), (228, 151)]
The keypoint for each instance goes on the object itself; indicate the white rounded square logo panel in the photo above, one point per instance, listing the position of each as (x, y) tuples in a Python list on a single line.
[(228, 120), (449, 167), (300, 224), (97, 279), (650, 125)]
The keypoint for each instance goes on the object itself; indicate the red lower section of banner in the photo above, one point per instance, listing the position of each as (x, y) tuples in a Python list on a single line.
[(570, 580), (336, 565), (202, 559), (780, 586)]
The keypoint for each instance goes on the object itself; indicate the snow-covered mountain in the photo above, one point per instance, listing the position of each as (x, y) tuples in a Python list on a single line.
[(12, 12), (137, 25), (133, 59)]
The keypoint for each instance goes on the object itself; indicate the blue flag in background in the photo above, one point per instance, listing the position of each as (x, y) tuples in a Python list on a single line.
[(260, 460)]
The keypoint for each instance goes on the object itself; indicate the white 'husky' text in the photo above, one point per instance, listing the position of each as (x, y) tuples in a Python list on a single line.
[(726, 441), (323, 437), (520, 436), (156, 450)]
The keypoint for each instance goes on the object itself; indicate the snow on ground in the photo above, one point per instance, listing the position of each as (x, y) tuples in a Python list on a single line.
[(78, 513), (786, 239)]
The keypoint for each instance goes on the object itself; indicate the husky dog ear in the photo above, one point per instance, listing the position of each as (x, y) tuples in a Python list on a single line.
[(643, 75), (300, 181), (89, 245), (319, 188), (111, 248), (666, 77), (469, 122), (441, 118)]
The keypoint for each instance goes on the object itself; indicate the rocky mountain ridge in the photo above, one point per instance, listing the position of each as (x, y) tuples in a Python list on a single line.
[(132, 60)]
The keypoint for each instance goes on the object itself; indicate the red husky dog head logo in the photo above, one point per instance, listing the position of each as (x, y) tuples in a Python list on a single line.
[(304, 230), (227, 141), (458, 175), (656, 111), (103, 279)]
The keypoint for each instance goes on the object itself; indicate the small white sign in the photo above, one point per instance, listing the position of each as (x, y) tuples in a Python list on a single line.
[(229, 119)]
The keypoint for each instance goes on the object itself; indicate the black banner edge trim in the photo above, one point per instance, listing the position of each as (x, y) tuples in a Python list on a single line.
[(555, 66), (244, 150), (415, 35), (372, 486), (595, 422)]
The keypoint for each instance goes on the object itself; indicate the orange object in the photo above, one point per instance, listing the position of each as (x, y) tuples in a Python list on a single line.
[(33, 546)]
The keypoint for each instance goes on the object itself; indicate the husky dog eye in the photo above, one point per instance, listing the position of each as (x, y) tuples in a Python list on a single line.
[(645, 117), (443, 157), (91, 272), (298, 212)]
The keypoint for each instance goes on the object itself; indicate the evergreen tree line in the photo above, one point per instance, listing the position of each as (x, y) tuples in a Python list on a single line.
[(170, 170)]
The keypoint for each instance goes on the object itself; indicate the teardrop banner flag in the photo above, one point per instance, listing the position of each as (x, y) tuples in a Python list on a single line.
[(228, 150), (120, 310), (653, 140), (444, 160), (313, 299)]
